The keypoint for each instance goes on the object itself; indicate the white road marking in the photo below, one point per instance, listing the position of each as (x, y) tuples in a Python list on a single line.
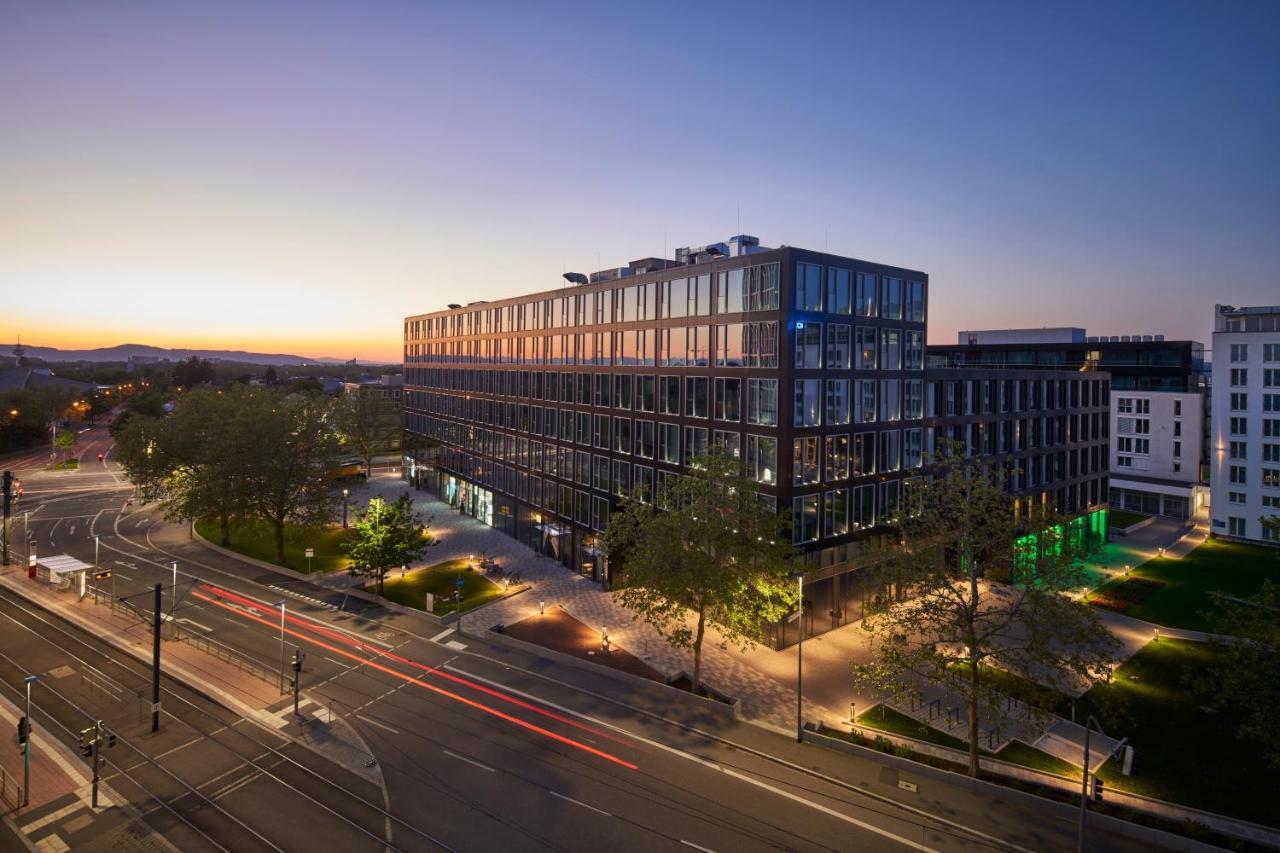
[(456, 646), (438, 637), (579, 803), (697, 759), (378, 724), (696, 846), (468, 760), (187, 621)]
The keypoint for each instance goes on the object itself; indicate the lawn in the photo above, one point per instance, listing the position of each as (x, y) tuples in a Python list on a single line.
[(1183, 752), (1122, 518), (1017, 752), (895, 722), (65, 465), (257, 541), (1217, 565), (411, 589)]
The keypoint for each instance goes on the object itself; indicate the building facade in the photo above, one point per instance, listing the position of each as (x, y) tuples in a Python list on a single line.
[(542, 410), (1245, 472), (1159, 451)]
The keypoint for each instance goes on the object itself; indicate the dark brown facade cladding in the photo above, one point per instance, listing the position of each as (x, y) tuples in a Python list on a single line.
[(539, 411)]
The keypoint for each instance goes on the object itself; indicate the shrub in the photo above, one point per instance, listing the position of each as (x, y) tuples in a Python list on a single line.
[(883, 743), (902, 751)]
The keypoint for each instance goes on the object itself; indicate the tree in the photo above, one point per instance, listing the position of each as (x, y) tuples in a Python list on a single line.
[(385, 536), (270, 376), (369, 423), (980, 580), (709, 554), (194, 371), (65, 440), (290, 451), (1247, 678)]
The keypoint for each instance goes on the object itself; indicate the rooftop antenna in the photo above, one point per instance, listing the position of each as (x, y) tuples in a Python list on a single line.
[(18, 352)]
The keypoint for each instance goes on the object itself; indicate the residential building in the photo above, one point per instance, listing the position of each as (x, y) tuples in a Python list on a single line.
[(1245, 471), (390, 386), (1159, 446), (543, 409)]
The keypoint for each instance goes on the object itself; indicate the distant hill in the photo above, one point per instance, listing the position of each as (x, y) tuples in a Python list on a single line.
[(123, 352)]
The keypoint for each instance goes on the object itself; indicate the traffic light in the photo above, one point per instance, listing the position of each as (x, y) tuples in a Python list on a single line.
[(24, 732), (87, 737), (298, 655), (1097, 789), (111, 738)]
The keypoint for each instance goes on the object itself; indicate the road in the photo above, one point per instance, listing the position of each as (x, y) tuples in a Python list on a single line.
[(478, 749)]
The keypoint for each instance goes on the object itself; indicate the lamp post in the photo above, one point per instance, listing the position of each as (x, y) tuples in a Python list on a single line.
[(26, 744), (280, 604), (173, 603), (345, 493), (800, 661)]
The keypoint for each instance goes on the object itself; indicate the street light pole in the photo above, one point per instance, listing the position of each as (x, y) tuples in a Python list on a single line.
[(800, 664), (345, 492), (280, 604), (26, 745), (173, 604)]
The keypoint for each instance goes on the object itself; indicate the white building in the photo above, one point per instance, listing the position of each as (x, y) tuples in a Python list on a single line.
[(1245, 441), (1155, 452)]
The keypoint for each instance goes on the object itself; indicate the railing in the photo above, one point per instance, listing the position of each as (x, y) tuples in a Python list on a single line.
[(224, 652), (10, 791)]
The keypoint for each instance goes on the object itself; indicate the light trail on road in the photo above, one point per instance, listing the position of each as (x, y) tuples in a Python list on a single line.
[(480, 706)]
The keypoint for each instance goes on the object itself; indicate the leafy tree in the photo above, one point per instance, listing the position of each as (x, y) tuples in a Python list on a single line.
[(1247, 679), (714, 556), (65, 440), (270, 376), (289, 452), (967, 596), (194, 371), (25, 416), (386, 535), (368, 423)]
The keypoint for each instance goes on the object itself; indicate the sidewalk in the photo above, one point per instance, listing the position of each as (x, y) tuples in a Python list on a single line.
[(762, 699), (224, 682)]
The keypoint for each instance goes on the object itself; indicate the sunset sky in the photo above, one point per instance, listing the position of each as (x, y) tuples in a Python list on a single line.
[(299, 178)]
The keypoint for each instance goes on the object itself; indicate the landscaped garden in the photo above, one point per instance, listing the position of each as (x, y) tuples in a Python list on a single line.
[(1123, 518), (411, 588), (257, 540), (1183, 600)]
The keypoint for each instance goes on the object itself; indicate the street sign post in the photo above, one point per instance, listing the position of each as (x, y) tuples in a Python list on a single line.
[(310, 552)]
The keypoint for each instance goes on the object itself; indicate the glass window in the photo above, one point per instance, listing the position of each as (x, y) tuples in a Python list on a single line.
[(677, 298), (732, 299), (839, 291), (912, 448), (890, 349), (646, 394), (804, 518), (837, 408), (729, 352), (603, 390), (760, 342), (866, 348), (621, 477), (761, 287), (600, 473), (863, 510), (622, 391), (669, 395), (644, 442), (804, 463), (835, 511), (728, 399), (622, 435), (891, 298), (915, 312), (730, 442), (762, 458), (762, 402), (808, 402), (865, 401), (669, 443), (838, 346), (698, 346), (600, 431), (865, 301), (808, 345), (700, 296), (864, 454), (642, 478), (913, 352), (695, 444), (913, 399), (696, 403), (836, 458), (808, 287), (890, 450)]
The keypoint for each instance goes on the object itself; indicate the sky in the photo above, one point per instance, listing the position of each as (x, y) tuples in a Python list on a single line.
[(300, 177)]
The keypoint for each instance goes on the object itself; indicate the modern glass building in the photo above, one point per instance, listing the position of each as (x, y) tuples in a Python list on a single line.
[(536, 413)]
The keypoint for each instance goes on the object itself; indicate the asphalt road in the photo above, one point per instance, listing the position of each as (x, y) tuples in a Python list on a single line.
[(479, 750)]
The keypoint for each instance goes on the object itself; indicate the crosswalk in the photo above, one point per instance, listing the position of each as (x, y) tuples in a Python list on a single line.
[(307, 598)]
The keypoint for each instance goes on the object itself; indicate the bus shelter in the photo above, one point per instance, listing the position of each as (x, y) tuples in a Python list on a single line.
[(64, 572)]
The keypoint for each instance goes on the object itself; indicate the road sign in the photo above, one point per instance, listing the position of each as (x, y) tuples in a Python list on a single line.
[(431, 603), (310, 552), (458, 582), (103, 575)]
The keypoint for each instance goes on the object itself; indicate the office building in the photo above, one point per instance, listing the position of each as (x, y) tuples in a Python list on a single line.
[(544, 409), (1245, 471), (1159, 450)]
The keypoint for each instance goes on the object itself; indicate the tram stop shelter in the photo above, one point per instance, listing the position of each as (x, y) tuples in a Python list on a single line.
[(64, 571)]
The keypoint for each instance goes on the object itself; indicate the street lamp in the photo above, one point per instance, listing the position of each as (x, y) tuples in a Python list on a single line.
[(800, 661), (26, 745), (173, 604), (280, 604), (345, 492)]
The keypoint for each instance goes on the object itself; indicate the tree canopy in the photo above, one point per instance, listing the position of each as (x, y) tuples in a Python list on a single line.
[(384, 536), (368, 424), (1248, 678), (709, 553), (980, 580)]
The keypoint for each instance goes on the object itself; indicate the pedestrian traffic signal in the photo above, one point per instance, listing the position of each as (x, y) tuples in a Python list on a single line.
[(87, 737), (1097, 789), (24, 732), (111, 739)]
